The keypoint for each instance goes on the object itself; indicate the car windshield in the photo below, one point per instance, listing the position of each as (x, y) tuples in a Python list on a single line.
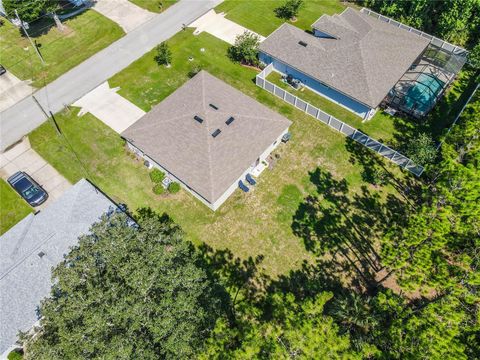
[(30, 192)]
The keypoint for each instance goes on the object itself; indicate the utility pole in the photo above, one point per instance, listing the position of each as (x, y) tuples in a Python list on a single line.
[(31, 42)]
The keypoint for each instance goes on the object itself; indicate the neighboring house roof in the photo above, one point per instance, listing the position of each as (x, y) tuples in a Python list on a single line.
[(31, 248), (209, 165), (364, 61)]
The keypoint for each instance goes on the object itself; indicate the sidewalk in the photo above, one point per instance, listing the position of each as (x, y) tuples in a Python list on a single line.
[(23, 117)]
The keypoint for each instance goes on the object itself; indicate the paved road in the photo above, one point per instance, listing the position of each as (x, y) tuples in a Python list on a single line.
[(25, 116)]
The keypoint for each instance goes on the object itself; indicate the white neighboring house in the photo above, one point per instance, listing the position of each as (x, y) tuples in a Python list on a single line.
[(207, 136), (33, 247)]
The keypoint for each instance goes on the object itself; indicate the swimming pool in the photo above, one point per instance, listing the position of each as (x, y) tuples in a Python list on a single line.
[(422, 94)]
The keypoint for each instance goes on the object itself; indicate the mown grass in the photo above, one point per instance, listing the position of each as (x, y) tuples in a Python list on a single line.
[(381, 126), (257, 223), (12, 207), (395, 130), (83, 36), (156, 6), (259, 15)]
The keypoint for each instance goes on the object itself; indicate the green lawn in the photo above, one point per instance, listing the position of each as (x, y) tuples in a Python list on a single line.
[(395, 130), (248, 224), (154, 5), (12, 207), (84, 35), (380, 127), (259, 15)]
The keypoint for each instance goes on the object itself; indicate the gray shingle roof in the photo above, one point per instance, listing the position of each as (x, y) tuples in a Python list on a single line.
[(25, 277), (364, 62), (184, 147)]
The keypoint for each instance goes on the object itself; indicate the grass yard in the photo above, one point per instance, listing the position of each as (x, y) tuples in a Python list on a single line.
[(380, 127), (395, 130), (12, 207), (156, 6), (259, 15), (84, 35), (257, 223)]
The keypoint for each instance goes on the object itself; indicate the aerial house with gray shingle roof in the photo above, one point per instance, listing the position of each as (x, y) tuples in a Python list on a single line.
[(351, 59), (207, 136), (33, 247)]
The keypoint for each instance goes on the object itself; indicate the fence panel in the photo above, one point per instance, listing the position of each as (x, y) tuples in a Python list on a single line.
[(437, 42), (373, 144), (348, 130), (335, 123), (323, 116), (302, 105), (360, 137), (279, 92), (312, 110), (400, 160), (340, 126), (269, 86), (290, 98)]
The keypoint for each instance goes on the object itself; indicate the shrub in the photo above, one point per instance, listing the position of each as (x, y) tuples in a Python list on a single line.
[(421, 149), (158, 189), (157, 176), (164, 54), (289, 10), (174, 187), (194, 71), (245, 48), (15, 355)]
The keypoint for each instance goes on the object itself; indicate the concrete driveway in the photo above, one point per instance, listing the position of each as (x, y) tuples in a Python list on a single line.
[(22, 157), (12, 90), (112, 109), (218, 26), (126, 14)]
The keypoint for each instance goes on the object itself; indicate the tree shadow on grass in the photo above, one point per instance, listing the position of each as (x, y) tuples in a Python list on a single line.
[(345, 227), (408, 187)]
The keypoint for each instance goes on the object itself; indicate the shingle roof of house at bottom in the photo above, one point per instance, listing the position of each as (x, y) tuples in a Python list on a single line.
[(185, 147), (31, 248), (364, 61)]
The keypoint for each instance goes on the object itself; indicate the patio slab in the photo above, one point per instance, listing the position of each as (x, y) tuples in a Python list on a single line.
[(218, 26)]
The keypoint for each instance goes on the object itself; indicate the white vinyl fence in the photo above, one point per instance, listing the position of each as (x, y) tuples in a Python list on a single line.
[(337, 124)]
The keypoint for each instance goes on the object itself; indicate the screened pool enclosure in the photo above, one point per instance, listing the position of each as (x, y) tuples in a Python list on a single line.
[(424, 83)]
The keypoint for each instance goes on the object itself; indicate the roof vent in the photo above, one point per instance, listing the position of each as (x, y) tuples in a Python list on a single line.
[(303, 43), (229, 120), (198, 118), (213, 106), (216, 133), (41, 254)]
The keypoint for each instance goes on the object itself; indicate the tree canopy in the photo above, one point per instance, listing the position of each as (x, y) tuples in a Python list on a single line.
[(245, 48), (456, 21), (29, 10), (126, 292)]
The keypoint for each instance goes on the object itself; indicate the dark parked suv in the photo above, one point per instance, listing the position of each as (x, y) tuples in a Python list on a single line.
[(28, 188)]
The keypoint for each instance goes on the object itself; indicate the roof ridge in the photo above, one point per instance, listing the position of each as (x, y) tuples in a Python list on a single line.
[(207, 134), (364, 73)]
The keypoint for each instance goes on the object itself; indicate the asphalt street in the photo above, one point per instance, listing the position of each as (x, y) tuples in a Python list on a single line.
[(26, 115)]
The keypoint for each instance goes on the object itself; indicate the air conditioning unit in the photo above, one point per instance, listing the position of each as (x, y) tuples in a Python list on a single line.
[(148, 164)]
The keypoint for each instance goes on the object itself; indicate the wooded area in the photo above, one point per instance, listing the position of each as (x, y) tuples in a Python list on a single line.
[(146, 292)]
